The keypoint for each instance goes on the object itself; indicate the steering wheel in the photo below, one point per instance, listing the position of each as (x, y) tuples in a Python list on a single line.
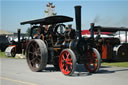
[(60, 29)]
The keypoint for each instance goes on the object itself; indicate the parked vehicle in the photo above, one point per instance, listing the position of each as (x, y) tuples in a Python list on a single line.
[(4, 42), (17, 45), (112, 48)]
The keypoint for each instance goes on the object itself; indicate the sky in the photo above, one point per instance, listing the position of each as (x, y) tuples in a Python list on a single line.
[(101, 12)]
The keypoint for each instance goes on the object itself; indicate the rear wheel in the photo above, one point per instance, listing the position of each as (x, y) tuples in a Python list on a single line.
[(67, 62), (122, 53), (93, 60), (37, 55)]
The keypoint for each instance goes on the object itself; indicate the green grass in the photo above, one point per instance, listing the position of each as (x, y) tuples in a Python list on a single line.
[(118, 64), (2, 55)]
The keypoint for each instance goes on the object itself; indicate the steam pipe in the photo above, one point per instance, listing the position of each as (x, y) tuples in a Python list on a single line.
[(78, 21), (19, 47), (126, 37)]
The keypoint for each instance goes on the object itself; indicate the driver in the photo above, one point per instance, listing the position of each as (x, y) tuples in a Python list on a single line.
[(39, 32), (50, 33), (44, 31)]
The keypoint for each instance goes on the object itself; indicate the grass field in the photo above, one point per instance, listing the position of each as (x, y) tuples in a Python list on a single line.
[(118, 64), (2, 55)]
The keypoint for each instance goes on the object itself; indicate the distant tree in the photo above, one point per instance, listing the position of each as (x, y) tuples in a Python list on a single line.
[(28, 31)]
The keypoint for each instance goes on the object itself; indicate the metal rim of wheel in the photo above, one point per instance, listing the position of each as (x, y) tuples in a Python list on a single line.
[(36, 55), (94, 60), (13, 52), (67, 62)]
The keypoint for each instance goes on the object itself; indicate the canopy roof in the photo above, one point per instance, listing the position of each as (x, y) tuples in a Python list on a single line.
[(109, 29), (49, 20)]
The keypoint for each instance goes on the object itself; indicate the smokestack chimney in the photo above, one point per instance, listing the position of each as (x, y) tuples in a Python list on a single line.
[(78, 21), (92, 30), (18, 35), (19, 47)]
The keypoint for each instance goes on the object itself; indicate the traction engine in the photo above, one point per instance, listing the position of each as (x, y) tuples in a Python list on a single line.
[(63, 49)]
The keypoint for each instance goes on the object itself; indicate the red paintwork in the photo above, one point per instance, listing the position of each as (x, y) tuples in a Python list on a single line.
[(88, 32), (85, 32), (92, 65), (65, 62), (14, 46), (104, 52)]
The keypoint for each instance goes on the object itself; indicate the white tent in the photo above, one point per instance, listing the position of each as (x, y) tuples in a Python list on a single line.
[(4, 32)]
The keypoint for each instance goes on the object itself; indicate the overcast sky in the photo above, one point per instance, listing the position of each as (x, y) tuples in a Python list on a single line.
[(102, 12)]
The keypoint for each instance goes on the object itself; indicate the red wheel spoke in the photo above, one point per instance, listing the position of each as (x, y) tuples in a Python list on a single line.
[(69, 61), (67, 54), (96, 61), (71, 67), (63, 57), (95, 65), (62, 64), (67, 68)]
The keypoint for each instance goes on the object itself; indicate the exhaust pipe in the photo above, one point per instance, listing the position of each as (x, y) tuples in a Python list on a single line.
[(78, 21), (19, 35), (18, 46)]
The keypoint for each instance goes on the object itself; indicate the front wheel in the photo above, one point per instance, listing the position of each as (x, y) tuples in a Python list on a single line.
[(67, 62), (93, 62), (13, 53)]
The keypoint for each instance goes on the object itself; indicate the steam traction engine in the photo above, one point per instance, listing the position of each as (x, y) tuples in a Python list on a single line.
[(61, 46), (16, 47), (111, 48)]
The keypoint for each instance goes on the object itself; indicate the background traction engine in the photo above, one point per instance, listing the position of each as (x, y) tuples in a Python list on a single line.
[(63, 50)]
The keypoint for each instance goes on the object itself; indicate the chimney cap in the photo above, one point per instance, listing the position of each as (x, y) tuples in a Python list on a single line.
[(78, 6), (92, 24)]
